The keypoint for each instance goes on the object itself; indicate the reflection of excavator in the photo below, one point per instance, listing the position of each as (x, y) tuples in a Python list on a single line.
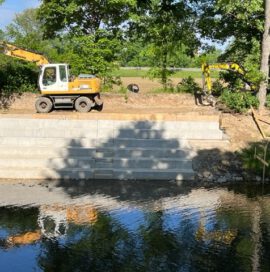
[(58, 88), (53, 222), (207, 83)]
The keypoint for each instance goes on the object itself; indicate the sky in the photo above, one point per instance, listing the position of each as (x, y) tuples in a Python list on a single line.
[(9, 9)]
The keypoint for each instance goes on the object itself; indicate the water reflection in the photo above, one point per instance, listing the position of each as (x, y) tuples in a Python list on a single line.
[(129, 226)]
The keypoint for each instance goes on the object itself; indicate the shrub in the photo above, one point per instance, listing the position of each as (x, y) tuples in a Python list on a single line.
[(239, 101), (17, 77), (217, 88), (188, 85), (252, 164)]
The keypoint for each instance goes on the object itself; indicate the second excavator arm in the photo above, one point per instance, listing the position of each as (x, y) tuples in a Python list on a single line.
[(20, 53), (231, 66)]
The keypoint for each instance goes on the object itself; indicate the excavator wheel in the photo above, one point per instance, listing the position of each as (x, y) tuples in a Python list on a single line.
[(83, 104), (43, 105)]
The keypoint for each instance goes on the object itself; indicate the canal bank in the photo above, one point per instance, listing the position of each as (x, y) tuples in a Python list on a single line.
[(106, 146)]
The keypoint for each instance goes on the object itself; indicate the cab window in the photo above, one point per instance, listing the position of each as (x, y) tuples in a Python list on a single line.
[(63, 73), (49, 76)]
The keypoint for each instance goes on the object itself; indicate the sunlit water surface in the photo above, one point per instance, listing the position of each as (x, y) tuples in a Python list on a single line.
[(133, 226)]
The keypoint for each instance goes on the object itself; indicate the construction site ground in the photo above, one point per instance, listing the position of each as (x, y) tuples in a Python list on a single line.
[(240, 129)]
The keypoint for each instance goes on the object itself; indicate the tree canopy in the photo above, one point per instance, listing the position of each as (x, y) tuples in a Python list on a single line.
[(83, 17)]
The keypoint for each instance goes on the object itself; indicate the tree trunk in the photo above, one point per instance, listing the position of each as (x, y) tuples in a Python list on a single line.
[(164, 68), (265, 56)]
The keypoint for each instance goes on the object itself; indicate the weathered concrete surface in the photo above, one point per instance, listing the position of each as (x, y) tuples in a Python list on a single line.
[(140, 147), (188, 116)]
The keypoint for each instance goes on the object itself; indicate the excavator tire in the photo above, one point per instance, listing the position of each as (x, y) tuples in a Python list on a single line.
[(43, 105), (83, 104)]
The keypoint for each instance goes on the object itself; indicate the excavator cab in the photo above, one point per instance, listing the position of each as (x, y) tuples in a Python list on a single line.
[(53, 78)]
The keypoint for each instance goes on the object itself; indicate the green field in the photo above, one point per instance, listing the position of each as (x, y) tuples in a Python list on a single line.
[(178, 74)]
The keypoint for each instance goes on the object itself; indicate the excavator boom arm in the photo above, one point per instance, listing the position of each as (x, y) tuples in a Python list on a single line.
[(16, 52), (206, 68)]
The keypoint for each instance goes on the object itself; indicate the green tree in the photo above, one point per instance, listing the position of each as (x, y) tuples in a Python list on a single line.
[(26, 31), (96, 54), (242, 22), (166, 26), (265, 56), (83, 17)]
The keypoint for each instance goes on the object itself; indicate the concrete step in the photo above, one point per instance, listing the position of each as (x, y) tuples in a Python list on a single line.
[(91, 143), (154, 152), (94, 125), (141, 174), (89, 163), (55, 163), (146, 163), (47, 142), (79, 174), (162, 134), (30, 123), (114, 134), (22, 151), (143, 143), (49, 133), (62, 152)]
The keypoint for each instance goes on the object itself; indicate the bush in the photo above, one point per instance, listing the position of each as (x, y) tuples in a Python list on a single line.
[(217, 88), (239, 101), (252, 164), (17, 77), (188, 85)]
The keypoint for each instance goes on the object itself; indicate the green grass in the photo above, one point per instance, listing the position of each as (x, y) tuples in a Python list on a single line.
[(178, 74)]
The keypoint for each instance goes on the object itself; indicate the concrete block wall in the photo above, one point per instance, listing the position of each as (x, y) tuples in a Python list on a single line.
[(100, 149)]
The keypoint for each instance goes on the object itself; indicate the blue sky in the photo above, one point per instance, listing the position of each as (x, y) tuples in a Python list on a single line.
[(10, 7)]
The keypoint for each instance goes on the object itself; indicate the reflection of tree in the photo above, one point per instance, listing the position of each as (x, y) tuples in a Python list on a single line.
[(265, 255), (18, 220), (105, 246), (161, 249)]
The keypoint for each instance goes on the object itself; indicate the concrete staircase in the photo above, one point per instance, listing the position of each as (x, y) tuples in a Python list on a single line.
[(100, 149)]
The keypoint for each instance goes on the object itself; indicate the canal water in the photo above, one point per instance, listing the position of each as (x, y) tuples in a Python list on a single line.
[(133, 226)]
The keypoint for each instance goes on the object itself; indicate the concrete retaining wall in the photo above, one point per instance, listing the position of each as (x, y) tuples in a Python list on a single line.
[(100, 149)]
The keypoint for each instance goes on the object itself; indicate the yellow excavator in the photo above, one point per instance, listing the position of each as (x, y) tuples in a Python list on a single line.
[(58, 88), (207, 82)]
